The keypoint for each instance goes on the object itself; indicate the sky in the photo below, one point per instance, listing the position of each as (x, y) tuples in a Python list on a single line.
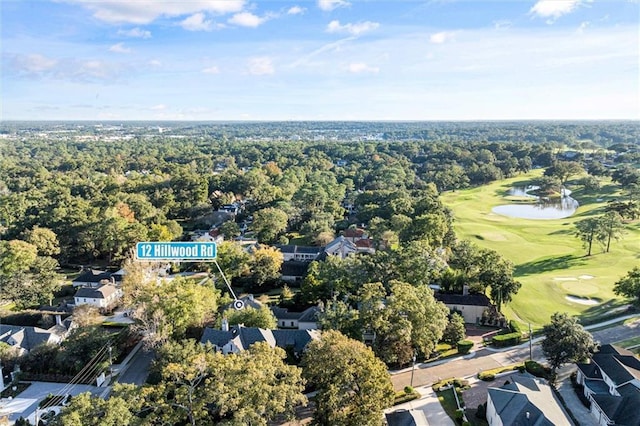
[(319, 60)]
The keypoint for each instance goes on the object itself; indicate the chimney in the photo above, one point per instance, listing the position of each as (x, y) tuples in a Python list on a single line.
[(528, 415), (465, 290), (225, 324), (58, 319)]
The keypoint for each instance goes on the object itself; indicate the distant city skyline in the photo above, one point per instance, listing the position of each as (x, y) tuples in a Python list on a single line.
[(320, 60)]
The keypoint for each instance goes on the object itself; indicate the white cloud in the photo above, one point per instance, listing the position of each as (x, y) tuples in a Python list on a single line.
[(553, 8), (197, 22), (361, 67), (261, 66), (135, 33), (247, 19), (211, 70), (329, 5), (583, 26), (155, 63), (119, 48), (146, 11), (33, 64), (353, 29), (441, 37), (295, 10), (159, 107)]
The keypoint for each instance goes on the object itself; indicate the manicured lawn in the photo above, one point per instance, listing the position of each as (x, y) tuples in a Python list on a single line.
[(634, 341), (448, 402), (550, 261)]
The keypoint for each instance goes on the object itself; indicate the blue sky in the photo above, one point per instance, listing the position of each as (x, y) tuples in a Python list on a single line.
[(320, 60)]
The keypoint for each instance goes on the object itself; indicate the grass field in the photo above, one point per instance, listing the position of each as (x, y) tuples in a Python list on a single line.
[(550, 261)]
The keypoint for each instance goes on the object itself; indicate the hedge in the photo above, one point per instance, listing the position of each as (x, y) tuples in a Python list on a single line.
[(464, 346), (515, 327), (537, 369), (458, 383), (503, 340)]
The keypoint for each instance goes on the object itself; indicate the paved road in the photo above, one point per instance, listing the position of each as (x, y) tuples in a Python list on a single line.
[(485, 359), (137, 370)]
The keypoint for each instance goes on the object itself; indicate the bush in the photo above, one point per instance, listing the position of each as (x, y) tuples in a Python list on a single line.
[(408, 390), (503, 340), (458, 383), (537, 369), (464, 346), (515, 327), (487, 377)]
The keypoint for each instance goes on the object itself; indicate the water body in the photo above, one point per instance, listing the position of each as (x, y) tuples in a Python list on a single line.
[(542, 209)]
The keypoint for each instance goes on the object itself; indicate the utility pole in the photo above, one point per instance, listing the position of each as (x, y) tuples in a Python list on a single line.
[(110, 365), (413, 368), (530, 344)]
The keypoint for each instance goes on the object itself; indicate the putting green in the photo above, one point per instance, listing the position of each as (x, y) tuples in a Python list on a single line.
[(546, 251)]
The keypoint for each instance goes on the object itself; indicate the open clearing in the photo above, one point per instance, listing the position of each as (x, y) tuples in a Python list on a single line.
[(550, 261)]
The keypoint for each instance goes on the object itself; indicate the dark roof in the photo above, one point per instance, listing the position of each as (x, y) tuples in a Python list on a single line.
[(24, 336), (406, 418), (92, 276), (299, 249), (619, 364), (102, 292), (294, 268), (354, 232), (623, 409), (590, 371), (244, 337), (308, 315), (459, 299)]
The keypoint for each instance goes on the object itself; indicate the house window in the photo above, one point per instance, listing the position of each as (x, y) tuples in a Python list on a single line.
[(291, 323)]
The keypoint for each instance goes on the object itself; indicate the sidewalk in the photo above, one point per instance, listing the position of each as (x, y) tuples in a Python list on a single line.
[(429, 405)]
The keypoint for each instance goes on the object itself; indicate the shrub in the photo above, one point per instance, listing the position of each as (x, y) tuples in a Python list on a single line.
[(464, 346), (408, 390), (503, 340), (537, 369), (487, 377), (515, 327), (458, 383)]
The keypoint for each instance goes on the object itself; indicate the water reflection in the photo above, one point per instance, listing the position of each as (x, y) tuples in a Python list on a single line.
[(544, 208)]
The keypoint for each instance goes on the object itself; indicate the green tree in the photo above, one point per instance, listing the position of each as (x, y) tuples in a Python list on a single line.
[(587, 230), (265, 264), (455, 330), (250, 317), (338, 315), (230, 230), (565, 340), (268, 223), (563, 170), (16, 256), (233, 260), (629, 285), (44, 239), (165, 311), (87, 410), (353, 385), (611, 226)]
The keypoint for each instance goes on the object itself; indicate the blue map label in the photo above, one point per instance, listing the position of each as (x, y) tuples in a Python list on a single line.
[(176, 251)]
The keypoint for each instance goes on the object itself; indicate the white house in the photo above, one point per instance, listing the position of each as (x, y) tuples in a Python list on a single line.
[(612, 385), (105, 296), (305, 320)]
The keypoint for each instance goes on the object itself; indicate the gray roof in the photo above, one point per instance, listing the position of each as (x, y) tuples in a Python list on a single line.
[(527, 400), (92, 276), (308, 315), (299, 249), (244, 337), (102, 292), (617, 363), (459, 299), (406, 418), (26, 337)]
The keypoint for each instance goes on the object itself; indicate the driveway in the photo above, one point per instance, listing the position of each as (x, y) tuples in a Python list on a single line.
[(429, 405), (137, 370), (26, 403)]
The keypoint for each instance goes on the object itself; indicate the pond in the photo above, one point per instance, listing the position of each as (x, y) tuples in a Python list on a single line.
[(543, 208)]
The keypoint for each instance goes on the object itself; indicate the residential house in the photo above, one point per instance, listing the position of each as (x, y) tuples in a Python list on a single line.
[(238, 338), (299, 253), (341, 247), (93, 278), (355, 234), (525, 400), (611, 383), (406, 418), (25, 338), (305, 320), (470, 306), (104, 297), (293, 271)]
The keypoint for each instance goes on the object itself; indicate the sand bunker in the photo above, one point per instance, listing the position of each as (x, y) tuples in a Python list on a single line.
[(586, 277), (565, 279), (582, 300)]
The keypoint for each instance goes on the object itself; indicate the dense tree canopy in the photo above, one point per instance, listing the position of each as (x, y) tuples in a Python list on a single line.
[(565, 340)]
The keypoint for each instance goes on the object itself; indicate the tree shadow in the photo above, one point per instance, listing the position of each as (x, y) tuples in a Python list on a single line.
[(549, 264)]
